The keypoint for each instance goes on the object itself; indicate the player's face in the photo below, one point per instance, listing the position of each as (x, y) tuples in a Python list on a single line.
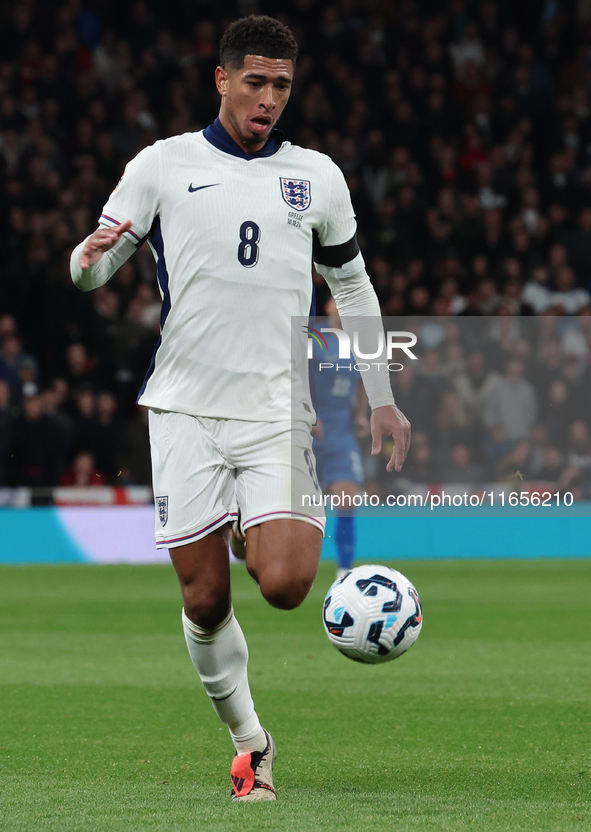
[(253, 98)]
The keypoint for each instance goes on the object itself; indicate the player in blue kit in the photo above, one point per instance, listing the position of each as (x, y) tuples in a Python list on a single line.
[(234, 215), (341, 407)]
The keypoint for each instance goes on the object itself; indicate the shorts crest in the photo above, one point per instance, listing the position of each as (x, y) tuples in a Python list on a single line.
[(296, 192), (162, 506)]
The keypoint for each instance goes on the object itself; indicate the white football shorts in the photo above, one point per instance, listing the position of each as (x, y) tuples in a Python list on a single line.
[(205, 469)]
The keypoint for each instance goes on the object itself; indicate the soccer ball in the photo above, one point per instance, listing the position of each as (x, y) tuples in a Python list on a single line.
[(372, 614)]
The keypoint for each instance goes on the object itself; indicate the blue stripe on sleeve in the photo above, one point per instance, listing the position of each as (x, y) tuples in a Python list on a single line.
[(163, 280)]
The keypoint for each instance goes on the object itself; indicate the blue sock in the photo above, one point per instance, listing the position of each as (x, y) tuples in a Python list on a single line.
[(345, 541)]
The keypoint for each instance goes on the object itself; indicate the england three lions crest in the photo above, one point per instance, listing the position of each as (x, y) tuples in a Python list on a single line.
[(296, 192), (162, 506)]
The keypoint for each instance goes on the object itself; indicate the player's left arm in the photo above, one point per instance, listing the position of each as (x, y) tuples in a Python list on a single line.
[(342, 266)]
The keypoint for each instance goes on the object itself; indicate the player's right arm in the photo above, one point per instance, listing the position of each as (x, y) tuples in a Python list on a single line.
[(89, 268), (125, 223)]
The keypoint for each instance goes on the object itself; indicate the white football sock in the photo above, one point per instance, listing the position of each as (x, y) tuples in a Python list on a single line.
[(220, 657)]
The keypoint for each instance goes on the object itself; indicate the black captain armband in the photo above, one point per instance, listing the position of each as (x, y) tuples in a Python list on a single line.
[(334, 256)]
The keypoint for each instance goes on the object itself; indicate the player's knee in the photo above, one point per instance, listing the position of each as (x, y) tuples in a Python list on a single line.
[(286, 592), (207, 609)]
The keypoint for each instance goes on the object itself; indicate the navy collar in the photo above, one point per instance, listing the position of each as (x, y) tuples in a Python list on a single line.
[(217, 135)]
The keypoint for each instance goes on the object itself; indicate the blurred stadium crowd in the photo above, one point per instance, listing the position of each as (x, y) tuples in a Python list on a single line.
[(464, 131), (496, 399)]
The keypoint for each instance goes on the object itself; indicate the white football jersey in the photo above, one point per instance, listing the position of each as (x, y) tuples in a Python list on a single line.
[(232, 235)]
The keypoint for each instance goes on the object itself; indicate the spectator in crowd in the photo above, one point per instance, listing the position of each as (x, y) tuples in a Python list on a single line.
[(576, 476), (13, 361), (454, 361), (538, 442), (85, 421), (578, 245), (547, 366), (461, 468), (552, 465), (536, 293), (578, 451), (474, 386), (512, 403), (8, 327), (36, 453), (83, 472), (81, 369), (54, 399), (421, 467), (568, 298), (452, 423), (413, 395), (559, 414), (108, 435), (495, 447), (431, 372)]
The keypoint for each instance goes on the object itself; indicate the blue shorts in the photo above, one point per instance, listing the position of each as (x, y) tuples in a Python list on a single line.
[(338, 459)]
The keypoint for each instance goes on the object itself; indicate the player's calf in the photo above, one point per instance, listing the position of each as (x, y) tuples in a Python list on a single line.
[(283, 589)]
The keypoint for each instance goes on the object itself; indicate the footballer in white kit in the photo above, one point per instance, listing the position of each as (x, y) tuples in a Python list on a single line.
[(234, 215)]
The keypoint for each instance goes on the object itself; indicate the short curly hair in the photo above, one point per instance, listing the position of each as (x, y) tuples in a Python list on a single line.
[(256, 35)]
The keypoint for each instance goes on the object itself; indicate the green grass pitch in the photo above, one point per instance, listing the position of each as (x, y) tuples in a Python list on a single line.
[(484, 725)]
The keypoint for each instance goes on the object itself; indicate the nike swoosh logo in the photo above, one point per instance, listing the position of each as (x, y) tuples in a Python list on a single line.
[(200, 187)]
